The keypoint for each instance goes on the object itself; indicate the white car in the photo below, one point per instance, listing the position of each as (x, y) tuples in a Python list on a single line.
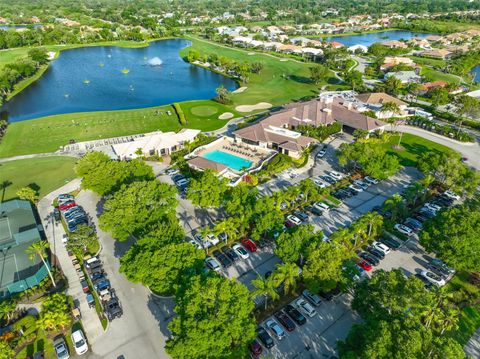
[(404, 229), (294, 219), (172, 171), (432, 207), (213, 239), (321, 153), (361, 184), (79, 342), (195, 244), (356, 188), (320, 183), (336, 175), (432, 278), (275, 329), (212, 263), (306, 307), (452, 195), (241, 251), (61, 348), (381, 247), (371, 180), (322, 206)]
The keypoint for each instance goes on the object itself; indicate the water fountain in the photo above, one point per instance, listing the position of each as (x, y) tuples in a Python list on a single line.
[(155, 61)]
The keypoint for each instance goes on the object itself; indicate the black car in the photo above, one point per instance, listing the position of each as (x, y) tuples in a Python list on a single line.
[(230, 253), (374, 261), (341, 195), (419, 217), (295, 314), (265, 338), (301, 215), (222, 258), (94, 276), (327, 296), (262, 243), (376, 252), (428, 285), (392, 243), (56, 214), (438, 270), (350, 191), (328, 179), (313, 210), (443, 201), (284, 320)]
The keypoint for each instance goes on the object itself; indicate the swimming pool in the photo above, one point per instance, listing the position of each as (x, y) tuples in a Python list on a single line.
[(234, 162)]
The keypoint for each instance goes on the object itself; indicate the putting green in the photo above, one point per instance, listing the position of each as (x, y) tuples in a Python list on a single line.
[(204, 110)]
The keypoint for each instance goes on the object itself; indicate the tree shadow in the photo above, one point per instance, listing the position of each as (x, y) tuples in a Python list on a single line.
[(300, 79), (3, 187), (34, 186), (162, 310)]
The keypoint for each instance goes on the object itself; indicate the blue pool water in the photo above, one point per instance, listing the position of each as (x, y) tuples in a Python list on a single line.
[(234, 162)]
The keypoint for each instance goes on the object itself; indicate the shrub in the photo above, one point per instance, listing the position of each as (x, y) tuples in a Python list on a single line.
[(180, 114)]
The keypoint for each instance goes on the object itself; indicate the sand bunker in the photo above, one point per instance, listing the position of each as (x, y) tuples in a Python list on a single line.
[(239, 90), (251, 53), (249, 108), (225, 116), (283, 60)]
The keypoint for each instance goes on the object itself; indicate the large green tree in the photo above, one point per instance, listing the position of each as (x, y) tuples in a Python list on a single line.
[(162, 269), (214, 320), (207, 190), (136, 207), (454, 234), (54, 314), (293, 245)]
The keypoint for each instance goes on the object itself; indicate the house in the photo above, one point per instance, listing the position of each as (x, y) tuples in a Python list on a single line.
[(392, 61), (154, 144), (434, 38), (311, 52), (374, 101), (427, 86), (289, 49), (335, 44), (201, 164), (18, 230), (241, 41), (358, 48), (422, 43), (437, 53), (278, 131), (395, 44), (405, 77)]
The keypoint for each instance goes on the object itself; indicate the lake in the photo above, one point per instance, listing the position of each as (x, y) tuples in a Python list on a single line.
[(19, 27), (371, 38), (113, 78), (476, 73)]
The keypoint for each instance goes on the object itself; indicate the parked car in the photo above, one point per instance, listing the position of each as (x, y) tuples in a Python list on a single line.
[(370, 258), (301, 215), (321, 153), (295, 314), (336, 175), (285, 321), (230, 253), (212, 239), (312, 298), (361, 184), (391, 243), (172, 171), (355, 188), (320, 183), (404, 229), (84, 285), (79, 342), (413, 223), (433, 278), (64, 197), (66, 205), (370, 180), (452, 195), (241, 251), (56, 214), (102, 285), (294, 219), (93, 263), (112, 306), (314, 210), (376, 252), (328, 179), (381, 247), (223, 237), (255, 348), (305, 307), (222, 258), (428, 284), (61, 348), (322, 206), (212, 263), (265, 338), (364, 265), (439, 263), (195, 243), (275, 329), (249, 244), (432, 207)]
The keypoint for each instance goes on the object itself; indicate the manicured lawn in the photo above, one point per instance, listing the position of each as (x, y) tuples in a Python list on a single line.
[(413, 146), (47, 134), (279, 82), (44, 174), (203, 114), (12, 55), (428, 61), (434, 75)]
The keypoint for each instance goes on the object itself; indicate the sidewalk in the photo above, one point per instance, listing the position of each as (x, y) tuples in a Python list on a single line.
[(91, 322)]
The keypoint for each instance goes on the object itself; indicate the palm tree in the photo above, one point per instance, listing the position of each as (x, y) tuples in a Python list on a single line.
[(265, 287), (374, 221), (227, 226), (427, 181), (6, 310), (287, 275), (393, 109), (395, 205), (39, 249)]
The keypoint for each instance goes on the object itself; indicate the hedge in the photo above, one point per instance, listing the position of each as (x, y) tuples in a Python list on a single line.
[(180, 114)]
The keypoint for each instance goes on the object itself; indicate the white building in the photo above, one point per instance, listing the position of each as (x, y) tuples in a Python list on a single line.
[(154, 143)]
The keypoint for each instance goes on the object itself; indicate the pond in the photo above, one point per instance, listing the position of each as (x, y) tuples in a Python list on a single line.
[(476, 73), (113, 78), (19, 27), (371, 38)]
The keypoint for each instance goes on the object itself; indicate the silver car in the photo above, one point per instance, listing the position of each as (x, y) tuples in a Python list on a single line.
[(61, 348)]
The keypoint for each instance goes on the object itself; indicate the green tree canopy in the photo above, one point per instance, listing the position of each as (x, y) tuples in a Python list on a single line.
[(207, 190), (294, 244), (214, 319), (28, 193), (136, 207), (54, 314), (318, 73)]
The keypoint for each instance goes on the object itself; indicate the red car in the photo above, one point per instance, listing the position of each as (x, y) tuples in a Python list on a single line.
[(255, 348), (67, 205), (364, 265), (249, 244), (289, 224), (84, 285)]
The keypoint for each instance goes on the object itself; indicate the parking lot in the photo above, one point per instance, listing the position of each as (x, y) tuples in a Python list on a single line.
[(317, 338)]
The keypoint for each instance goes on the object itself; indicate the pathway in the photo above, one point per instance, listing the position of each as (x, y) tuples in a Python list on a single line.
[(472, 348), (36, 155), (54, 232), (469, 150)]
